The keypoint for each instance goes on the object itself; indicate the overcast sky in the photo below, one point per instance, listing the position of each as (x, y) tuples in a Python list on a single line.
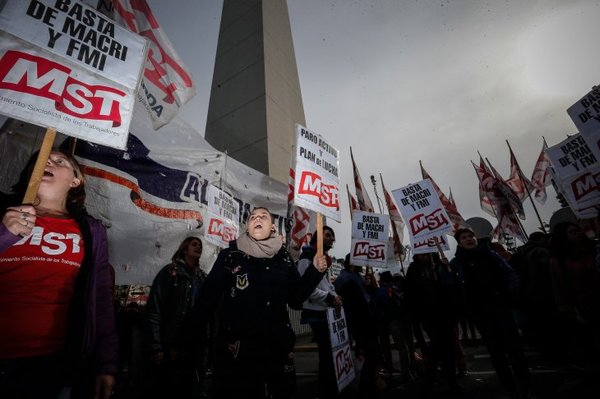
[(403, 81)]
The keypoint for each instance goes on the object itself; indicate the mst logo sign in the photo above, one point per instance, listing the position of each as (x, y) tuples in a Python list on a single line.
[(216, 227), (369, 251), (41, 77), (311, 184), (585, 184), (421, 222)]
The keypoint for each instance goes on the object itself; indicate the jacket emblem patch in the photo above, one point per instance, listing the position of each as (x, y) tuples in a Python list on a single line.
[(234, 348), (241, 281)]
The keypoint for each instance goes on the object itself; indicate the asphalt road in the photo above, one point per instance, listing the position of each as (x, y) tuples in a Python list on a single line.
[(549, 381)]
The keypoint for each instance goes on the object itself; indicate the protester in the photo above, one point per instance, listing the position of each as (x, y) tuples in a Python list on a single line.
[(576, 286), (178, 365), (56, 307), (434, 294), (491, 287), (314, 312), (359, 317), (532, 262), (395, 321), (250, 286)]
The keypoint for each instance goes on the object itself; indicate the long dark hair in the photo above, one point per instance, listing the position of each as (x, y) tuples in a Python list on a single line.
[(182, 247)]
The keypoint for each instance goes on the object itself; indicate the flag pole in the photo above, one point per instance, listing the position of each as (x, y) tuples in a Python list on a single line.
[(526, 188), (374, 183)]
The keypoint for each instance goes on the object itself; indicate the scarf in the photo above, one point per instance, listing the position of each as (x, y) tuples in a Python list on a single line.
[(266, 248)]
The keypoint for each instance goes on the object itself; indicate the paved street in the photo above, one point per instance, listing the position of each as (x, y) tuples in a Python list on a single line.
[(549, 381)]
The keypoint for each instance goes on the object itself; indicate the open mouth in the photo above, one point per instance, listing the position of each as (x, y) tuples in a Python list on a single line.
[(48, 173)]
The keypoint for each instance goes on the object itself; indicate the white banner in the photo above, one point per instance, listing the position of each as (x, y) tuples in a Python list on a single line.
[(317, 182), (223, 216), (585, 113), (422, 210), (154, 195), (370, 233), (340, 344), (167, 83)]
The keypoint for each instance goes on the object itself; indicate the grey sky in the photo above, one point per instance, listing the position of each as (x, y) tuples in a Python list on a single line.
[(403, 81)]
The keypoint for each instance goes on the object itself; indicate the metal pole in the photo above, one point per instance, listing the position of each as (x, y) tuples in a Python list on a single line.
[(374, 183)]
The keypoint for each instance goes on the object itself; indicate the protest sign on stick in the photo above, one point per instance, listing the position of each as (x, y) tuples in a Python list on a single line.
[(67, 67), (577, 173), (421, 207), (370, 232), (585, 113), (223, 216), (317, 183), (340, 345)]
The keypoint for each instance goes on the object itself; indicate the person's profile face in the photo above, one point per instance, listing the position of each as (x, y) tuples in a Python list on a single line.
[(328, 239)]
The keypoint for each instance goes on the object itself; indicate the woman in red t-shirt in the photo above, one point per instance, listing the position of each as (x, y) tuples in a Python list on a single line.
[(55, 292)]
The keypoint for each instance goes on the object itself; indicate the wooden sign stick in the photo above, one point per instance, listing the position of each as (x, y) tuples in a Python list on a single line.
[(40, 164), (320, 250)]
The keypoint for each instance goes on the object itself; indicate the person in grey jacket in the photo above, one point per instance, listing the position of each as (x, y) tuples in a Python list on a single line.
[(314, 313)]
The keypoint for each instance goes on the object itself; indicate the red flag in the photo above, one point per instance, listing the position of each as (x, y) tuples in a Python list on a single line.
[(450, 196), (453, 214), (352, 202), (300, 218), (167, 84), (395, 218), (484, 200), (541, 177), (508, 193), (490, 189), (361, 195), (517, 181)]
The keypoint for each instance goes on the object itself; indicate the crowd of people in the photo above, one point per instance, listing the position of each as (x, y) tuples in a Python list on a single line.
[(59, 335)]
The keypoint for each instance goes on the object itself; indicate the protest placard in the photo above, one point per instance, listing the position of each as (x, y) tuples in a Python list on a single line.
[(430, 245), (585, 113), (576, 171), (420, 206), (223, 217), (341, 349), (571, 156), (370, 233), (64, 65), (317, 182)]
